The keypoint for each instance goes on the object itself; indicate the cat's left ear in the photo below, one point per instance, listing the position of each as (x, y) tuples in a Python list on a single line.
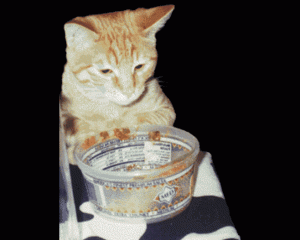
[(78, 35), (150, 21)]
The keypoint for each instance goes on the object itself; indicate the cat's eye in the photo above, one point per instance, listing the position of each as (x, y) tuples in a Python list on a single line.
[(139, 66), (106, 71)]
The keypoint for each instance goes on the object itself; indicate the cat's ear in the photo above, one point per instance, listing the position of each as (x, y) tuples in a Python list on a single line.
[(78, 36), (150, 21)]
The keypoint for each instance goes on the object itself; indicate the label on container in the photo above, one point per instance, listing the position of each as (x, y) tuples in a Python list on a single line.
[(158, 198), (157, 152), (167, 194), (148, 152)]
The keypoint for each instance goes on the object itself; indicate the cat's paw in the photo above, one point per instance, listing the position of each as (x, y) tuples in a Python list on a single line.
[(143, 119)]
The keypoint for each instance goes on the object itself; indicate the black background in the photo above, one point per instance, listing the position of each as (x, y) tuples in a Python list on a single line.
[(204, 61)]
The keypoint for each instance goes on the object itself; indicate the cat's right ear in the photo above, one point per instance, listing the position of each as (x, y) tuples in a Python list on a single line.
[(78, 36), (150, 21)]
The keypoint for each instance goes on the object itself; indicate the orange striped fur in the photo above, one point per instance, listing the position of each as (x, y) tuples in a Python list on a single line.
[(107, 82)]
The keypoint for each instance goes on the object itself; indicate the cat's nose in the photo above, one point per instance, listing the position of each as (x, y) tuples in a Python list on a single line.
[(128, 92), (126, 84)]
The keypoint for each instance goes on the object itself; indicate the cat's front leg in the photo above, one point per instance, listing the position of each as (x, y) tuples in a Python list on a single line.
[(155, 117), (84, 133)]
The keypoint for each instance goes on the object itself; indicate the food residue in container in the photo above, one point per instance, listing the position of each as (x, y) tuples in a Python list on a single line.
[(173, 170), (88, 142), (104, 135), (138, 178), (122, 133), (135, 167), (154, 136), (128, 168)]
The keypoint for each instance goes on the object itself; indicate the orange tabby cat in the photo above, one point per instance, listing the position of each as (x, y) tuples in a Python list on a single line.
[(107, 81)]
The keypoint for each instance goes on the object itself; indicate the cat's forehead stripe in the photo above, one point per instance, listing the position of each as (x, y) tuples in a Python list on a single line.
[(113, 52)]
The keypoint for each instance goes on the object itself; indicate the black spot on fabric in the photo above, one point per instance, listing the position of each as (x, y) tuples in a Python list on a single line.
[(204, 215)]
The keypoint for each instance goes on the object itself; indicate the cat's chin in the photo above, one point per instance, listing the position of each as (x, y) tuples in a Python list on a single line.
[(124, 101)]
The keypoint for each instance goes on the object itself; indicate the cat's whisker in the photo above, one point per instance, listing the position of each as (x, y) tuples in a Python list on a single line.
[(151, 78), (161, 82)]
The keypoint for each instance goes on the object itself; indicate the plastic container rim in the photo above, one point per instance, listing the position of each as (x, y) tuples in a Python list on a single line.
[(192, 141)]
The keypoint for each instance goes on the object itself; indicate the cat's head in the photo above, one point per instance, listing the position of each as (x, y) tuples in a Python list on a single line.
[(115, 52)]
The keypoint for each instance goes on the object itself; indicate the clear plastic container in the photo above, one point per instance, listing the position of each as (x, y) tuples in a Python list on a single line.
[(145, 172)]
